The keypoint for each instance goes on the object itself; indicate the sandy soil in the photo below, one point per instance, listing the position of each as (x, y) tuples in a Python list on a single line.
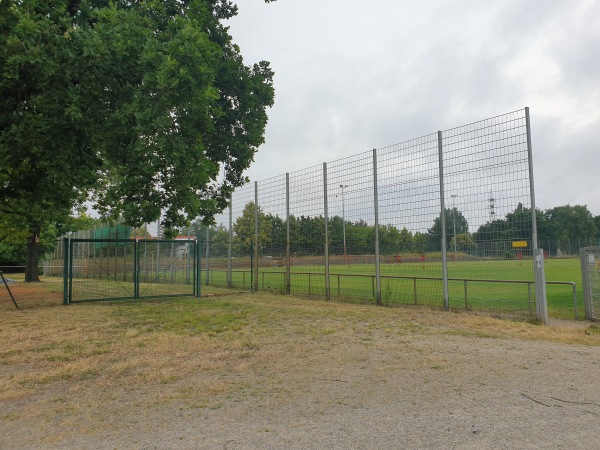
[(371, 389)]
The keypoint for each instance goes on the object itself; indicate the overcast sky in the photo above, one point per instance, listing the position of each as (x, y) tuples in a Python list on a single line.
[(353, 75)]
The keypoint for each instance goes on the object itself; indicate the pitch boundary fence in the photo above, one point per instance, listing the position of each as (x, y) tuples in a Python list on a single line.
[(463, 193)]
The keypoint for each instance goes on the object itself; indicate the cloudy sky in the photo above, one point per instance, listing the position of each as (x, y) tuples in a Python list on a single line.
[(353, 75)]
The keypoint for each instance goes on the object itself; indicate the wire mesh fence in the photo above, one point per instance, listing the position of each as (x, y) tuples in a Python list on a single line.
[(101, 269), (444, 220)]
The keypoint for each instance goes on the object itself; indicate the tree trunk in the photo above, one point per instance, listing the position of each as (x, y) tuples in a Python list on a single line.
[(33, 252)]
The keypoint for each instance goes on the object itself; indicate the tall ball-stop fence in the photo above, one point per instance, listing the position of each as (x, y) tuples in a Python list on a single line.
[(445, 220)]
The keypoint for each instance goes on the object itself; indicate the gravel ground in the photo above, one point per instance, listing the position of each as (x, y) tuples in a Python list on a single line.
[(384, 391)]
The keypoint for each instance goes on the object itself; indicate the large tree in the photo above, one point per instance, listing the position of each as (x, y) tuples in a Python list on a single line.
[(571, 222), (147, 107), (455, 224), (244, 228)]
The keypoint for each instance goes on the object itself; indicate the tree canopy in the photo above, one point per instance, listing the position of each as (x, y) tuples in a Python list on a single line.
[(144, 107), (455, 224), (492, 238)]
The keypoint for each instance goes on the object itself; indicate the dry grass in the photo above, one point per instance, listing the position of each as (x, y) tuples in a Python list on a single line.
[(97, 360)]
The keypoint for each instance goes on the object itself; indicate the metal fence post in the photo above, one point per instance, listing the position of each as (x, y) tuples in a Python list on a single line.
[(65, 271), (443, 221), (376, 208), (136, 270), (534, 240), (256, 236), (207, 257), (157, 260), (540, 277), (288, 268), (171, 263), (198, 268), (585, 278), (70, 270), (252, 287), (327, 281), (540, 285), (229, 245)]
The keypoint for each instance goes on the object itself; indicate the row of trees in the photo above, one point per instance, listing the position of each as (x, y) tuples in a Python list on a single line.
[(561, 223)]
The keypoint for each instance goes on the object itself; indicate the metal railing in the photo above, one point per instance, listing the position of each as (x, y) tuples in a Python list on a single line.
[(266, 283)]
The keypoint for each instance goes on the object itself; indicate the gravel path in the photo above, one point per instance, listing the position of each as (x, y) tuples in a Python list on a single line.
[(384, 391)]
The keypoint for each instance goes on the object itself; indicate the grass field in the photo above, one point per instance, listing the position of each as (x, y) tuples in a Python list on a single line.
[(133, 373), (406, 283), (356, 283)]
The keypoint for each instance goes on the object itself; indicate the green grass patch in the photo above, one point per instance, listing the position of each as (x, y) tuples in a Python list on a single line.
[(473, 285)]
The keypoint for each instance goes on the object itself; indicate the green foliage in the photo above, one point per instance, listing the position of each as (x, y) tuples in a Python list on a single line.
[(493, 238), (463, 243), (570, 222), (455, 221), (146, 105), (421, 242), (14, 234), (561, 223), (218, 238), (244, 228), (12, 244)]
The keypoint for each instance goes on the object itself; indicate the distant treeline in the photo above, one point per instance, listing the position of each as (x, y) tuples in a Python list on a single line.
[(563, 223)]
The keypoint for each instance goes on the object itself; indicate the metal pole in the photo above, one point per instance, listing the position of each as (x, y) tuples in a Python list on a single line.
[(575, 300), (454, 221), (187, 259), (70, 271), (344, 221), (198, 268), (172, 262), (8, 289), (327, 284), (586, 261), (534, 240), (540, 286), (376, 208), (158, 262), (229, 245), (251, 268), (207, 257), (539, 275), (256, 236), (287, 238), (136, 270), (66, 271), (443, 220)]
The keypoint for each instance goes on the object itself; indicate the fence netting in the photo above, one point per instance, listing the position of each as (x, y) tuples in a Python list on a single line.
[(316, 231), (101, 269), (444, 220)]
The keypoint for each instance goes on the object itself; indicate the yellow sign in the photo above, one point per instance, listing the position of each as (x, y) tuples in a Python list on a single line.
[(519, 244)]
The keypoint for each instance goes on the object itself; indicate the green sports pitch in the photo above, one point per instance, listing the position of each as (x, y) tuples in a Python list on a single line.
[(502, 286)]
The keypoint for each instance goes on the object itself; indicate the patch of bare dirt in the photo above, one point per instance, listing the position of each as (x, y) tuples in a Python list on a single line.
[(359, 386)]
